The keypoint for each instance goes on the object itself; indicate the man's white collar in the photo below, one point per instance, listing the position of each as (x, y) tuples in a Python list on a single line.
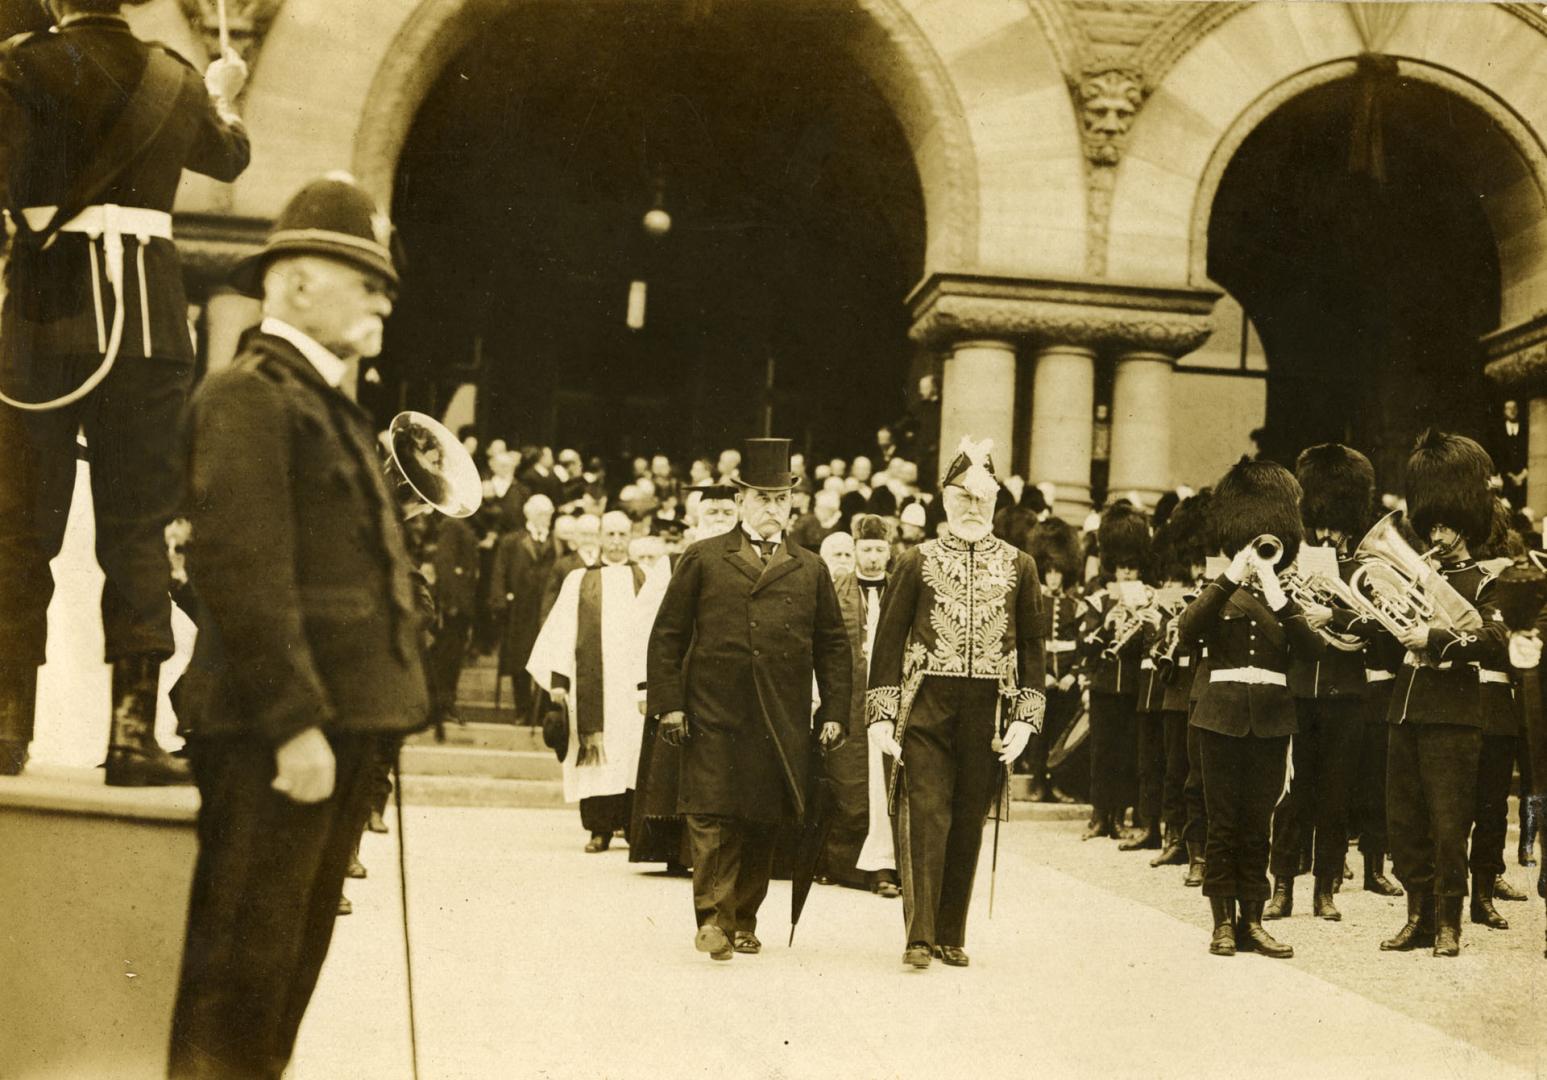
[(330, 367)]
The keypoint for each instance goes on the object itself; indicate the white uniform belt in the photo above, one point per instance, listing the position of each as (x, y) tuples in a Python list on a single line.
[(1411, 660), (1185, 661), (1059, 646), (110, 223), (1379, 676), (1254, 676), (1486, 676)]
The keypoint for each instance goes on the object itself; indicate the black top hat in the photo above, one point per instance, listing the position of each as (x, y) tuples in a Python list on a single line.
[(333, 217), (765, 465), (711, 492)]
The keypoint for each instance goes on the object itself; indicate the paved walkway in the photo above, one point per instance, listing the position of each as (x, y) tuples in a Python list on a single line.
[(535, 960)]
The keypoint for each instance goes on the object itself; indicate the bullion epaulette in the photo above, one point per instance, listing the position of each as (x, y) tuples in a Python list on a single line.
[(26, 37)]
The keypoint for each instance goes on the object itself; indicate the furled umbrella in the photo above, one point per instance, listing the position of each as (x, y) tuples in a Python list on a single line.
[(814, 828)]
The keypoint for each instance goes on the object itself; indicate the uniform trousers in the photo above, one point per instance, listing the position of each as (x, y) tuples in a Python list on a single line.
[(264, 899), (732, 862), (1431, 794), (1113, 752), (1367, 806), (949, 777), (1151, 752), (1315, 811), (1173, 803), (1495, 773), (1243, 777), (133, 424), (1194, 806)]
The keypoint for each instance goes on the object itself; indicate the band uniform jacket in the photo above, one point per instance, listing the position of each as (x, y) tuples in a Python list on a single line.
[(61, 93), (957, 609), (456, 567), (312, 616), (1336, 673), (1243, 636), (734, 646), (1062, 647), (1442, 686), (1117, 674)]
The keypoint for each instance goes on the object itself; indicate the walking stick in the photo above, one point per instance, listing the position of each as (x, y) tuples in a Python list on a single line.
[(402, 877), (1001, 808)]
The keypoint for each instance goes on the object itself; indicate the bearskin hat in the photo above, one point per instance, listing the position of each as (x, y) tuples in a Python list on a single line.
[(1253, 498), (1338, 489), (1056, 546), (1182, 541), (1123, 538), (1447, 484)]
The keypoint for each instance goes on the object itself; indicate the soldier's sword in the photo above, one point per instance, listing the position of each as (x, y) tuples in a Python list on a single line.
[(402, 877)]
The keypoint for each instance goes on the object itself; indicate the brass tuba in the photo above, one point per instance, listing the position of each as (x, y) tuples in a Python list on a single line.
[(428, 469), (1401, 588)]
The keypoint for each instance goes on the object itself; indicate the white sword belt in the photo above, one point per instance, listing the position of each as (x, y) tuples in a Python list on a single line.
[(1059, 646), (110, 223), (1253, 676)]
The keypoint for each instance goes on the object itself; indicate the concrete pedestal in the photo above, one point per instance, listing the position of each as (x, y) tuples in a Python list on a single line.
[(93, 900)]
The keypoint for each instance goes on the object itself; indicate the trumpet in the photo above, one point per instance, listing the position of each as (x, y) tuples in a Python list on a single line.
[(428, 469), (1402, 591), (1268, 547)]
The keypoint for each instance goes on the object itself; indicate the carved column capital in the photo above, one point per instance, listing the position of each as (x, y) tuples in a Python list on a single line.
[(1109, 319), (1517, 357)]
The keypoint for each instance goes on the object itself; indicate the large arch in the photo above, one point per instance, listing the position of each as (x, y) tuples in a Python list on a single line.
[(1239, 74), (974, 84)]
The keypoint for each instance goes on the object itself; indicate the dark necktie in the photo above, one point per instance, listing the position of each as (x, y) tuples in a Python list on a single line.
[(765, 549)]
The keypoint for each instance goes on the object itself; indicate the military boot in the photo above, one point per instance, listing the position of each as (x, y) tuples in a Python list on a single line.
[(1194, 876), (1173, 854), (1503, 890), (1482, 910), (1447, 926), (1251, 937), (18, 697), (1418, 931), (134, 758), (1375, 879), (1223, 941), (1145, 839), (1283, 903), (1321, 902)]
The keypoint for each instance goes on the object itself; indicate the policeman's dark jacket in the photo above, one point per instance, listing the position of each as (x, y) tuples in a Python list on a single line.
[(1249, 648), (60, 95), (959, 609), (298, 557), (734, 646), (1443, 686)]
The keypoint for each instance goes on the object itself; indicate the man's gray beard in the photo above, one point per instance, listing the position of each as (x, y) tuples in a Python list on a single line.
[(971, 533)]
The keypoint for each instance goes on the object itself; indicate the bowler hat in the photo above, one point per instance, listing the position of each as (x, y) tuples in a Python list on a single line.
[(765, 465), (332, 217)]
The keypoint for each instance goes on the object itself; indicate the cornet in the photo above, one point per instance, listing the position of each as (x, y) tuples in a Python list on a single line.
[(428, 469), (1268, 547)]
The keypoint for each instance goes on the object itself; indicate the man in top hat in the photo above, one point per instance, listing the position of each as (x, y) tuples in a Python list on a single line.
[(746, 621), (1336, 508), (956, 693), (1436, 727), (96, 128), (309, 655)]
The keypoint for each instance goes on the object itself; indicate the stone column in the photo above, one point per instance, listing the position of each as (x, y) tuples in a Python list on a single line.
[(226, 316), (977, 398), (1536, 457), (1063, 400), (1141, 425)]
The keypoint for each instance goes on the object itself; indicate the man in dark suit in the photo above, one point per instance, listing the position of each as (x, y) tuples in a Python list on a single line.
[(310, 653), (96, 128), (746, 620), (456, 601), (516, 584)]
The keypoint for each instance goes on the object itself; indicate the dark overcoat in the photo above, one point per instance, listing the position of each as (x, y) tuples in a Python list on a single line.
[(735, 646), (516, 585), (456, 568), (311, 614)]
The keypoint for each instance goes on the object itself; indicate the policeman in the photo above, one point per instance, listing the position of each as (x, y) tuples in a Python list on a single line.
[(96, 128)]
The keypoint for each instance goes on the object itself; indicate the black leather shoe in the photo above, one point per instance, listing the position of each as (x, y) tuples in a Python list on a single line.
[(917, 955), (951, 955), (1173, 854), (356, 867), (376, 824), (1482, 910), (13, 758), (344, 906), (746, 942), (1283, 903), (1418, 931), (1194, 876), (1251, 937), (598, 843), (1375, 879), (888, 890), (1223, 941), (1100, 826), (712, 940), (1447, 925), (1321, 901), (1503, 890), (1142, 840)]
